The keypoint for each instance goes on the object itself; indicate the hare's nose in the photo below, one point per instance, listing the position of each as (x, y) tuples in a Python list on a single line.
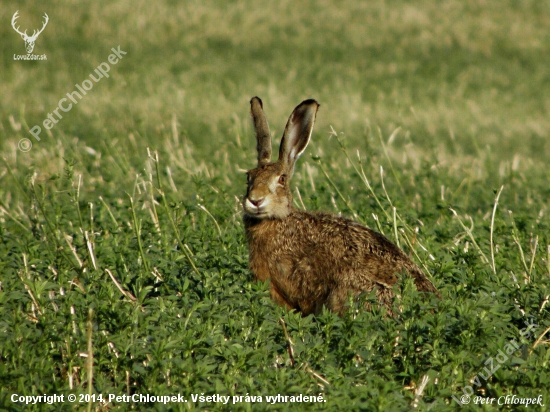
[(256, 202)]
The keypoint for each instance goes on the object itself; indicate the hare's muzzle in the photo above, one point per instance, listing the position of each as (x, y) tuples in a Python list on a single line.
[(256, 202), (255, 206)]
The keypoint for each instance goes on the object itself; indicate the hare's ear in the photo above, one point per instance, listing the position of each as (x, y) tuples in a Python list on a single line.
[(263, 137), (297, 133)]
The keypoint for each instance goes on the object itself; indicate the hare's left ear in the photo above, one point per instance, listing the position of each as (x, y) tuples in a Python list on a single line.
[(297, 134), (263, 137)]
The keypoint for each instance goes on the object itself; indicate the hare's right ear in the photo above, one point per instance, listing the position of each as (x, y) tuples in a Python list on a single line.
[(297, 133), (263, 137)]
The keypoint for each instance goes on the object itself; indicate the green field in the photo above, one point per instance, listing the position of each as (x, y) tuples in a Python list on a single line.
[(123, 260)]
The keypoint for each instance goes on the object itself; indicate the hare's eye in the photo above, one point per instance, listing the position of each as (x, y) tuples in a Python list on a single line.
[(282, 180), (247, 177)]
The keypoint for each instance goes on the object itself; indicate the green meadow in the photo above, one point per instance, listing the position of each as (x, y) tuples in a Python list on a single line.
[(123, 261)]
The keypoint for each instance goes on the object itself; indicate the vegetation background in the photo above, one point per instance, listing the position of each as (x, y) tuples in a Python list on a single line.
[(122, 255)]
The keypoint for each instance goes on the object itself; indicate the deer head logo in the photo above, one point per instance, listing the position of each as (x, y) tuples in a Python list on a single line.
[(29, 40)]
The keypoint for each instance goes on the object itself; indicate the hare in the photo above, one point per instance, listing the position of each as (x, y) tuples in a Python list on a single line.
[(312, 259)]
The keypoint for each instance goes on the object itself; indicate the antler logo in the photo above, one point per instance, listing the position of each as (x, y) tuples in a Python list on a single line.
[(29, 40)]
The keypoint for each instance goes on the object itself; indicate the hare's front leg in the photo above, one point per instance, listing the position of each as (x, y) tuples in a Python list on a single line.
[(279, 299), (285, 293)]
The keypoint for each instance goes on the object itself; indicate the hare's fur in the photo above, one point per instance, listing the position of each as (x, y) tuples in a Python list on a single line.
[(312, 259)]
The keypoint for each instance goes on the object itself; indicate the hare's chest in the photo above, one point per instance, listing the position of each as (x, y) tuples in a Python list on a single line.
[(271, 255), (270, 260)]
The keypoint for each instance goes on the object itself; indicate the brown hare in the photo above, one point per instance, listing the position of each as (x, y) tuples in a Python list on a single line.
[(312, 259)]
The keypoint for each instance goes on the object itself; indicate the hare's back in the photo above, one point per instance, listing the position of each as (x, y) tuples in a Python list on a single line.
[(384, 260), (353, 248)]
